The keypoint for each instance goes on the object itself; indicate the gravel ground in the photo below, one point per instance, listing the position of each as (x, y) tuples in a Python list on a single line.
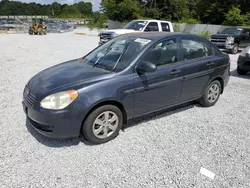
[(165, 150)]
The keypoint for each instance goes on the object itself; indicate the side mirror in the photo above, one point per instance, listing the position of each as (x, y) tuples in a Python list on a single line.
[(146, 66)]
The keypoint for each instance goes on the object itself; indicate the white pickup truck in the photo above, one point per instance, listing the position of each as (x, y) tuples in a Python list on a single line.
[(137, 26)]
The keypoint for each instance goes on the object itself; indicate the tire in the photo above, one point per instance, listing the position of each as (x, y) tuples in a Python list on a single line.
[(235, 49), (209, 98), (240, 71), (97, 121)]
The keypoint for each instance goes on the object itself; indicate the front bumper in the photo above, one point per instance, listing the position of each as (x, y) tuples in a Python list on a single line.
[(53, 124), (227, 46), (244, 62)]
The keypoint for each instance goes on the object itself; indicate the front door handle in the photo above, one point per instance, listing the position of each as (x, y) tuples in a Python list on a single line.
[(210, 63), (175, 71)]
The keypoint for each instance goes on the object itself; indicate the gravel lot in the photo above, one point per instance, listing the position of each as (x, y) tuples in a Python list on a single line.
[(165, 150)]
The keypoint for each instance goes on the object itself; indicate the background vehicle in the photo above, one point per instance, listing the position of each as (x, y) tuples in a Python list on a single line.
[(232, 39), (137, 26), (243, 64), (129, 76), (38, 27)]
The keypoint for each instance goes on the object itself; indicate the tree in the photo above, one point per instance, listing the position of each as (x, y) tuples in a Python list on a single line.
[(55, 9), (234, 17), (121, 10), (84, 8)]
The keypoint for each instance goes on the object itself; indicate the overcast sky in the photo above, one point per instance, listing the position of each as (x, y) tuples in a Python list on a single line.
[(94, 2)]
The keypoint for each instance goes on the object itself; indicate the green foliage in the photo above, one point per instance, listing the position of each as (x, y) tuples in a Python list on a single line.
[(81, 9), (189, 21), (233, 12), (206, 35), (177, 27), (247, 19), (234, 17), (98, 21), (121, 10)]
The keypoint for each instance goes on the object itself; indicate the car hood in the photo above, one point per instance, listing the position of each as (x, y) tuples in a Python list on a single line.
[(68, 75), (120, 31), (222, 35)]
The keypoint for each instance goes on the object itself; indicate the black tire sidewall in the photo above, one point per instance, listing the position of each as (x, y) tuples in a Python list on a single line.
[(240, 71), (88, 124), (204, 100), (233, 49)]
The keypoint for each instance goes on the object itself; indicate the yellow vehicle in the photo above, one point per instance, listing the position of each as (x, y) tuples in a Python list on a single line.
[(38, 27)]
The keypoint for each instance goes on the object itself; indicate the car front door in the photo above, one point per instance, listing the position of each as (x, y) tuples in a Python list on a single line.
[(156, 90), (198, 67), (245, 38)]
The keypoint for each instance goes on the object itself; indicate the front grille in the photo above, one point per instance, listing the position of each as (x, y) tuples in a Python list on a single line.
[(222, 39), (29, 97), (105, 36)]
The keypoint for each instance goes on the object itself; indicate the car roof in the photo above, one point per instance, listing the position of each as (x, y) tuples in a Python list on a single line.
[(158, 35), (153, 20)]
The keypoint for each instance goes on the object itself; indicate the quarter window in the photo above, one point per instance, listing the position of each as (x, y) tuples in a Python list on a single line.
[(163, 53), (192, 49)]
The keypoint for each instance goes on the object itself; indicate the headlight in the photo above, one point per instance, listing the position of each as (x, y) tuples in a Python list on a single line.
[(59, 100), (230, 40)]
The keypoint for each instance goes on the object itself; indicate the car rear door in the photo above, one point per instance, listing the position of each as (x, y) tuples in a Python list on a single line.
[(162, 88), (198, 67)]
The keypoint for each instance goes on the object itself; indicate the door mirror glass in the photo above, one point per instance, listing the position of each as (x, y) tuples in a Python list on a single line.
[(146, 66)]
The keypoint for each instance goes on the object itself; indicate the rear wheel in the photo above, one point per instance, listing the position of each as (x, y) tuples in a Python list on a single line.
[(103, 124), (212, 94), (240, 71)]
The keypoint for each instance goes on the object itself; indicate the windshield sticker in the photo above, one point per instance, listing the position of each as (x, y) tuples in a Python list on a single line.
[(143, 41)]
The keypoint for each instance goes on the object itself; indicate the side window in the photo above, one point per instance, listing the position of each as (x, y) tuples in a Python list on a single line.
[(165, 27), (192, 49), (246, 32), (164, 53), (152, 26)]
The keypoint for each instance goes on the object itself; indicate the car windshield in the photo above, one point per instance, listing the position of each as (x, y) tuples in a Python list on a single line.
[(230, 31), (117, 54), (135, 25)]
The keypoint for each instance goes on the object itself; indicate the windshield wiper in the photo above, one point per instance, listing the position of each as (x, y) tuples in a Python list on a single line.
[(118, 60), (97, 61)]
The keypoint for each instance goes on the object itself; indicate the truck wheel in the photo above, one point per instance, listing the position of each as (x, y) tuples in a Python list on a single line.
[(240, 71), (235, 49)]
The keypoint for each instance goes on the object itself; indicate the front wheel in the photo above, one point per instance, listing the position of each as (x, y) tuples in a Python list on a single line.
[(103, 124), (212, 94), (235, 49), (240, 71)]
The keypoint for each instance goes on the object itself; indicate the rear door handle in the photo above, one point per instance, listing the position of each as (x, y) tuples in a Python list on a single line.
[(210, 64), (174, 72)]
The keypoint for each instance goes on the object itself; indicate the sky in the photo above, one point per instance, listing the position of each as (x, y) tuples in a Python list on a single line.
[(94, 2)]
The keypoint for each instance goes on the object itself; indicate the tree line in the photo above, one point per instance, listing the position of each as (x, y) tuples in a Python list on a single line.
[(222, 12), (78, 10), (227, 12)]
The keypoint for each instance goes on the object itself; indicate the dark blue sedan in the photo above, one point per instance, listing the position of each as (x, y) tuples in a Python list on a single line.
[(127, 77)]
